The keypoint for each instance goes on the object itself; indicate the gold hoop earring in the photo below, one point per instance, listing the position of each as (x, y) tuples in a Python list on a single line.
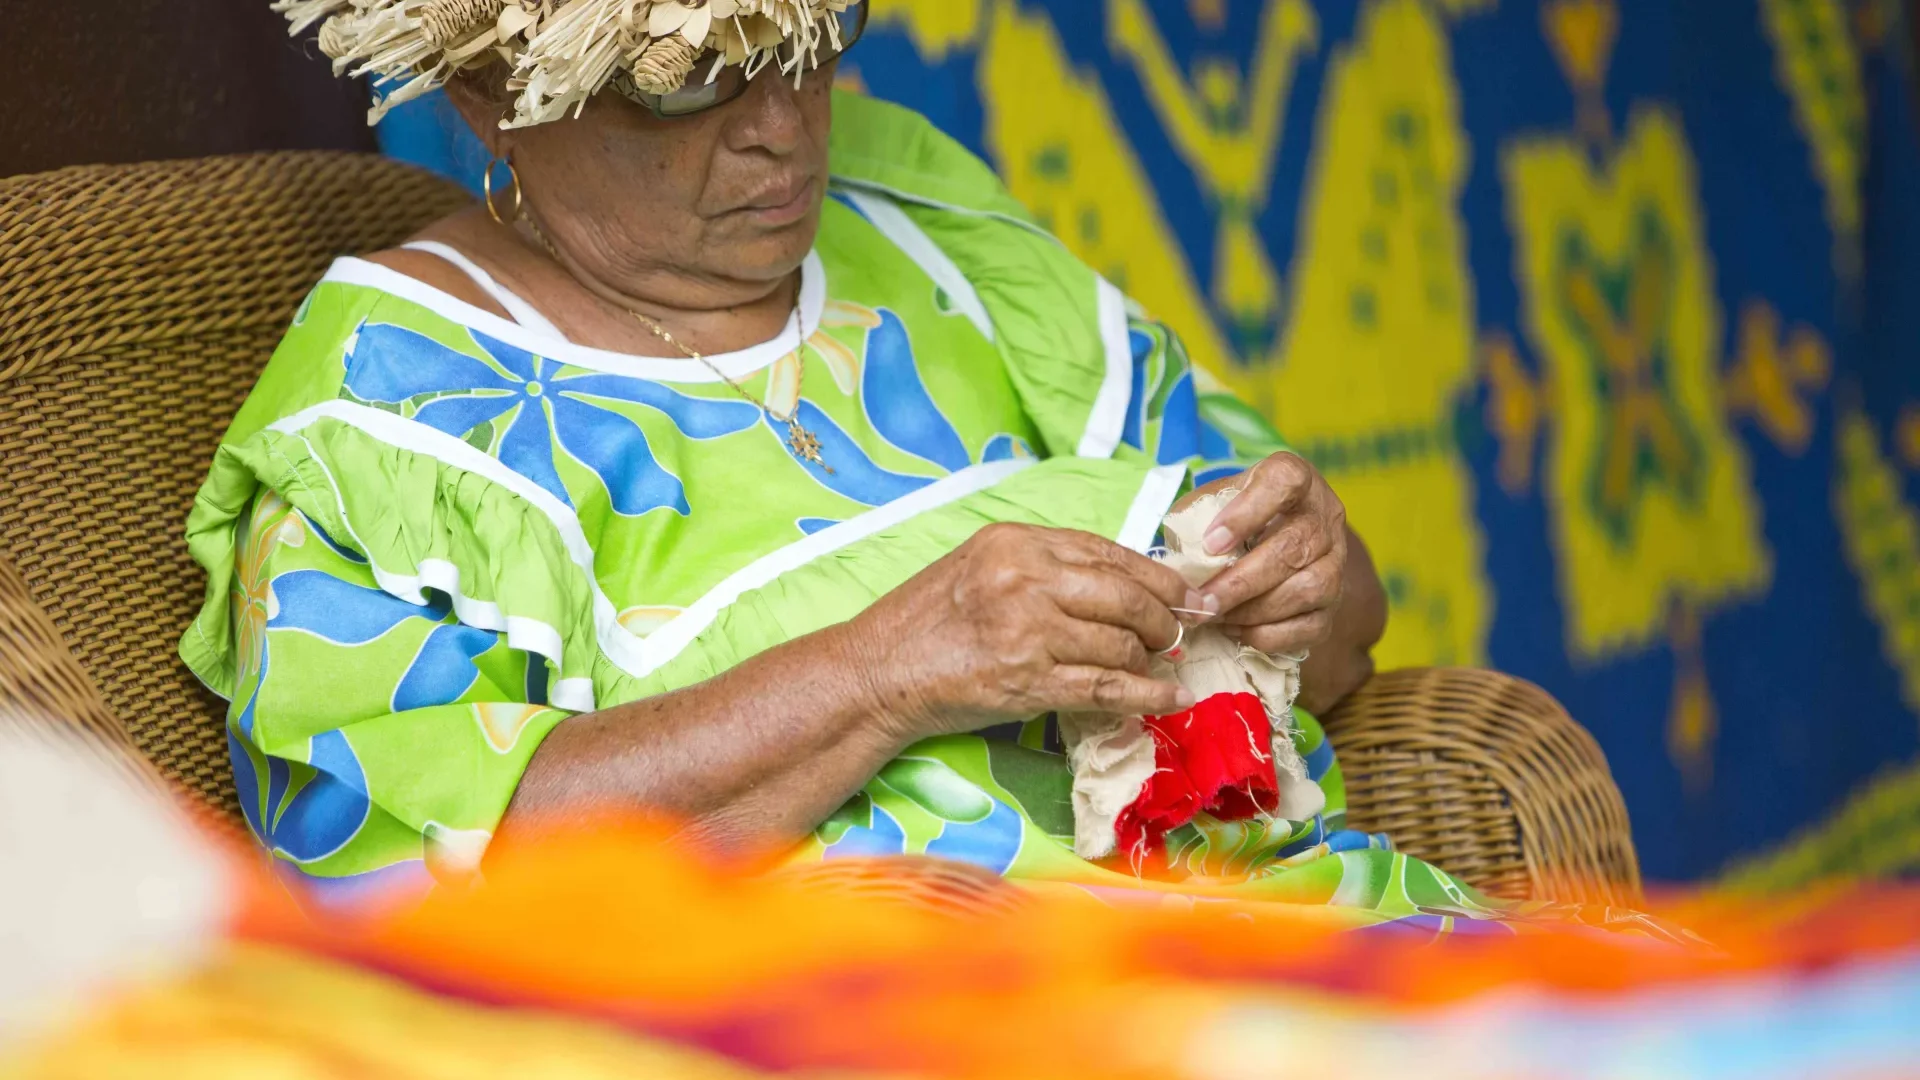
[(486, 185)]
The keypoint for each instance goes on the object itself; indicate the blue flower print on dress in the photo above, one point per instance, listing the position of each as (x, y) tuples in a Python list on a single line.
[(1161, 391), (854, 475), (1319, 761), (1214, 446), (1203, 477), (1218, 452), (992, 842), (1161, 388), (882, 835), (897, 402), (347, 614), (1133, 432), (392, 365), (328, 809), (1179, 423), (329, 804), (1005, 448), (975, 827)]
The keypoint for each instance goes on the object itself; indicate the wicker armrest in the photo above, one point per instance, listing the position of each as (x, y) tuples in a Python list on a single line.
[(1486, 776), (39, 677), (43, 686)]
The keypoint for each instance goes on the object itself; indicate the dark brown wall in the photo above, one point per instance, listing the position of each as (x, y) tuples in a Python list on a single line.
[(92, 81)]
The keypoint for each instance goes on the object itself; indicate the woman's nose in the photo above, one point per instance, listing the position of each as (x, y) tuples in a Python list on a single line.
[(768, 117)]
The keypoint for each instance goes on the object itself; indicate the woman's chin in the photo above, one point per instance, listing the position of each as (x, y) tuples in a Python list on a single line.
[(763, 253)]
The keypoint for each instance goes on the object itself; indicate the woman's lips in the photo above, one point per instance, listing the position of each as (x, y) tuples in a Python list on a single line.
[(778, 207)]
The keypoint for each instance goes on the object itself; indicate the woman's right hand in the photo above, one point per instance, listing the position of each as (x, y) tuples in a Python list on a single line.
[(1021, 620)]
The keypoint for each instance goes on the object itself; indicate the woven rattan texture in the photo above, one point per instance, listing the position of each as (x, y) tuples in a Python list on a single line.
[(38, 676), (1487, 776), (137, 304), (44, 689)]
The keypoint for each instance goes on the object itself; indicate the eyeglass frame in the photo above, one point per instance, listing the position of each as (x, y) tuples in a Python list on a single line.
[(622, 81)]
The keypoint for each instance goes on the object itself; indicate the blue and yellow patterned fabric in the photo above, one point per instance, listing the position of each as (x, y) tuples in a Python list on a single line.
[(1600, 314)]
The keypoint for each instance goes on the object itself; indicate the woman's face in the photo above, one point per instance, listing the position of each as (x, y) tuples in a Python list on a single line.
[(729, 196)]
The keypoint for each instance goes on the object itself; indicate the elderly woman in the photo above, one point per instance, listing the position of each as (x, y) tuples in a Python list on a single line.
[(750, 458)]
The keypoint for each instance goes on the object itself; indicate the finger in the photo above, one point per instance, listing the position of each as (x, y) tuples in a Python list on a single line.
[(1100, 597), (1098, 553), (1301, 542), (1092, 644), (1094, 689), (1275, 486), (1291, 638), (1320, 585)]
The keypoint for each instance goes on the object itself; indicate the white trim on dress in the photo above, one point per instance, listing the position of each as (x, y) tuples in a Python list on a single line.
[(736, 365), (637, 656), (1150, 506), (1107, 421), (670, 640), (526, 635), (913, 241), (522, 312)]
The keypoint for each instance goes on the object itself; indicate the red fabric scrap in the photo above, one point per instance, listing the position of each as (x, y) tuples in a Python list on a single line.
[(1216, 757)]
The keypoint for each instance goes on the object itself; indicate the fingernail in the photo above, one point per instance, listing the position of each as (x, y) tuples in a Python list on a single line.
[(1194, 600), (1183, 698), (1210, 604), (1219, 540)]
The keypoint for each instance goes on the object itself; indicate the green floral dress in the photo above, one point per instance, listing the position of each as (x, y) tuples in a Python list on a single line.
[(433, 534)]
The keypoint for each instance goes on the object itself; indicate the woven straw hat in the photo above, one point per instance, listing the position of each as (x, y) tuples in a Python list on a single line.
[(561, 51)]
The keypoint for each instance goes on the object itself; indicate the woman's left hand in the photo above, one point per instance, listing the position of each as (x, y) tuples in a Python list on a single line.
[(1280, 597)]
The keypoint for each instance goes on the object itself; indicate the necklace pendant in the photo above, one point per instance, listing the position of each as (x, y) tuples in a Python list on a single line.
[(805, 444)]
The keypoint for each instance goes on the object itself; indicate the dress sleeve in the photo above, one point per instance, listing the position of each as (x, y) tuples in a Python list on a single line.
[(1178, 414), (375, 742)]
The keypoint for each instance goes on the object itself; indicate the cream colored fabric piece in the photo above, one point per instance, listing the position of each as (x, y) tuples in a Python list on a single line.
[(1210, 664), (1185, 531), (1276, 679), (1112, 756)]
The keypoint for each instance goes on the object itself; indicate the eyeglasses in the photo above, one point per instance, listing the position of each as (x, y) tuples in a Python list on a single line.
[(724, 82)]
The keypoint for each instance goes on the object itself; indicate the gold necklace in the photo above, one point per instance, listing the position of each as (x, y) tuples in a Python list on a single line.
[(804, 444)]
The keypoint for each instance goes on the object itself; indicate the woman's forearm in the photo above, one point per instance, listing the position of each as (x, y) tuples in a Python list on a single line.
[(765, 751), (759, 754), (1345, 662)]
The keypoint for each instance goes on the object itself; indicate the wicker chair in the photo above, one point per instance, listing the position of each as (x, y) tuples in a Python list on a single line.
[(138, 302), (43, 686)]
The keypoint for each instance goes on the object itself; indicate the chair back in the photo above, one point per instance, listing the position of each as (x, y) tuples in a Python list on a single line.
[(1486, 775), (137, 305)]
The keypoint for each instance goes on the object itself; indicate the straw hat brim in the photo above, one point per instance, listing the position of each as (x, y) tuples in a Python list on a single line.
[(561, 52)]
